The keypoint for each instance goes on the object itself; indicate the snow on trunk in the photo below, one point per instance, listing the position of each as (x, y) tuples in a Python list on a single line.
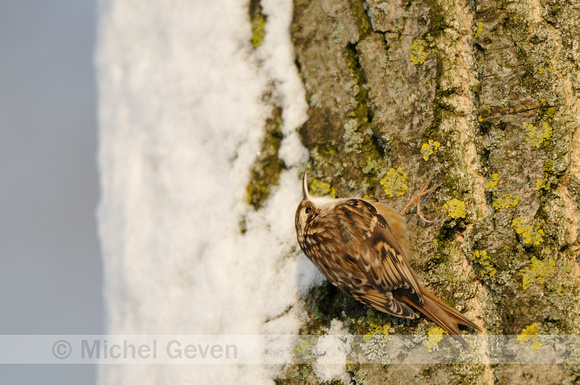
[(181, 120)]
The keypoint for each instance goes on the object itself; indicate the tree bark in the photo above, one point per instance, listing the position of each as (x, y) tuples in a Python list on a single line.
[(485, 94)]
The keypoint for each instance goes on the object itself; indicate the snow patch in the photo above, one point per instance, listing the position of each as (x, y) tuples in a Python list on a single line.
[(181, 119), (332, 350)]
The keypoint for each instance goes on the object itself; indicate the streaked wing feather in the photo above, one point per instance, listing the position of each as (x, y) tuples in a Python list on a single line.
[(380, 256), (385, 302)]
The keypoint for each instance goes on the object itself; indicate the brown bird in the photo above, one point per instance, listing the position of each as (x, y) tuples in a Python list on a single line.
[(360, 247)]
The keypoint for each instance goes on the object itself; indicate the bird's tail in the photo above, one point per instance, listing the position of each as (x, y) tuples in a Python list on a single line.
[(444, 315)]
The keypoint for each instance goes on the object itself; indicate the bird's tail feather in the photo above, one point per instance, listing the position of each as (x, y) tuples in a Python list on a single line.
[(444, 315)]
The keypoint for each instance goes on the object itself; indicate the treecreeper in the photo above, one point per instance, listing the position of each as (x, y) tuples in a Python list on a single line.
[(360, 247)]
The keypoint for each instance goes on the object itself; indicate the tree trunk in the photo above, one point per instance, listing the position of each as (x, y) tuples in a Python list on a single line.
[(484, 94)]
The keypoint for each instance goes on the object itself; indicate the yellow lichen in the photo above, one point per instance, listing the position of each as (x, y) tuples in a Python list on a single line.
[(319, 188), (394, 182), (506, 201), (539, 135), (258, 29), (479, 30), (542, 184), (455, 208), (531, 235), (377, 329), (435, 336), (492, 182), (306, 349), (541, 272), (418, 52), (429, 148), (481, 258), (544, 69), (531, 334)]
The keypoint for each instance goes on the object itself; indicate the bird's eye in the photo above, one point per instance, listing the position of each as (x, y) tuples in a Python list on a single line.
[(308, 210)]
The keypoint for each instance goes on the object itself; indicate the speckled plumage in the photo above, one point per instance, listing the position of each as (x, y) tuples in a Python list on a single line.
[(360, 247)]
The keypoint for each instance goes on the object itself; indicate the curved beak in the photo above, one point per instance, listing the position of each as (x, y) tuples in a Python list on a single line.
[(305, 194)]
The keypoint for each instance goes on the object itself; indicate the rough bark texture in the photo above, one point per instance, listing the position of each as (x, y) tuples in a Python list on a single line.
[(485, 93)]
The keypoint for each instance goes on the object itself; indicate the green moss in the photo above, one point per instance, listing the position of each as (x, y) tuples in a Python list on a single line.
[(394, 182), (267, 166), (455, 208), (361, 18), (325, 303), (505, 201), (437, 16), (361, 110)]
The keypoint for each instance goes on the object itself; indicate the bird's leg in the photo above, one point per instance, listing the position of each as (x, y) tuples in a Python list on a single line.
[(417, 198)]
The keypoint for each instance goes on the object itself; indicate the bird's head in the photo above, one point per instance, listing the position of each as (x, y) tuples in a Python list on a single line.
[(311, 207), (306, 209)]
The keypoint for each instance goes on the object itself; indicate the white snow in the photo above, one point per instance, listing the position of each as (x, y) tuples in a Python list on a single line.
[(331, 351), (181, 119)]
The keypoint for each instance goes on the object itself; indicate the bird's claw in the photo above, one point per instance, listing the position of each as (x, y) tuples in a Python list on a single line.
[(424, 190)]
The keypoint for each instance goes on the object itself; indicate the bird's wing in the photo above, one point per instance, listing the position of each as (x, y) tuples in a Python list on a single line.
[(369, 241), (383, 301)]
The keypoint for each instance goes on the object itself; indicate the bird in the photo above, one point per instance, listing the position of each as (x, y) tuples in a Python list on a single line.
[(360, 246)]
